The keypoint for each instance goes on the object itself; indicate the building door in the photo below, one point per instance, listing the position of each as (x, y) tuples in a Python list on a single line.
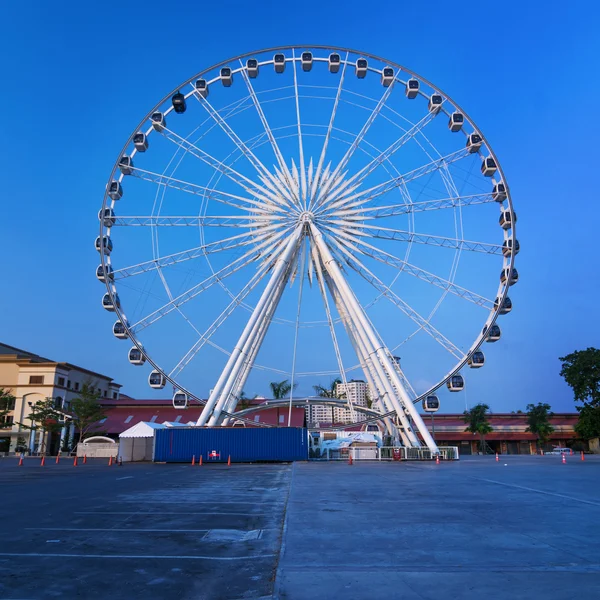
[(464, 448)]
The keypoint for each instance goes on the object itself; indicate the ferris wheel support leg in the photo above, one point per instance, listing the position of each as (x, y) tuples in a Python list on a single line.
[(228, 375), (401, 399), (364, 360), (248, 362)]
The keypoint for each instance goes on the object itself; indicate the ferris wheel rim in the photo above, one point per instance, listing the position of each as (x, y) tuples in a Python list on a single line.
[(502, 289)]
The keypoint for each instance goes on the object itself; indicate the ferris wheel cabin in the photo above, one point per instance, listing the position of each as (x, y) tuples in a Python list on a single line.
[(106, 244), (499, 192), (104, 273), (115, 190), (456, 121), (476, 360), (456, 383), (180, 400), (306, 60), (178, 102), (140, 141), (412, 88), (107, 217), (126, 165), (508, 248), (435, 103), (507, 219), (279, 63), (136, 356), (387, 76), (202, 88), (252, 67), (157, 380), (474, 142), (431, 404), (361, 68), (111, 304), (507, 275), (226, 76), (119, 330), (488, 167), (492, 334), (506, 306), (334, 62), (159, 122)]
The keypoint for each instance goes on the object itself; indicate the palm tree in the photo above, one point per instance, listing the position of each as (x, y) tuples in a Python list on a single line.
[(280, 389), (476, 419), (330, 392)]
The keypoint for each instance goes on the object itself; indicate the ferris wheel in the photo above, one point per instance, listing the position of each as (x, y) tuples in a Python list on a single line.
[(303, 213)]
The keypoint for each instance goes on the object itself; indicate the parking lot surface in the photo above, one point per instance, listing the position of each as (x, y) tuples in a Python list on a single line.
[(523, 527)]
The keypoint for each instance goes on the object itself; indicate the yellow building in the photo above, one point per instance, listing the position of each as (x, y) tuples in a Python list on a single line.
[(31, 378)]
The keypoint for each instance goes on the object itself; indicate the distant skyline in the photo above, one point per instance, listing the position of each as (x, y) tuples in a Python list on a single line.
[(79, 79)]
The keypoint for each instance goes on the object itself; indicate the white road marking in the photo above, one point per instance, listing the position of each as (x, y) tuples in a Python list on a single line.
[(161, 513), (128, 477), (522, 487), (136, 557), (111, 529)]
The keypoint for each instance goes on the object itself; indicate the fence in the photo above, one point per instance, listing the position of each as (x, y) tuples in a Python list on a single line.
[(97, 450), (385, 453)]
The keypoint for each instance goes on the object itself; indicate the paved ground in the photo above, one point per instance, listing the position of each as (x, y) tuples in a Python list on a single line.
[(470, 529), (140, 531)]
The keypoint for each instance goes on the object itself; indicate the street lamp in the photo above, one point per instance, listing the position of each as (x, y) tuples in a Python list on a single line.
[(32, 430)]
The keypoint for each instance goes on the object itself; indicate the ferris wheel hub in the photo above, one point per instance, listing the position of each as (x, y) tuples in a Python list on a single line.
[(306, 217)]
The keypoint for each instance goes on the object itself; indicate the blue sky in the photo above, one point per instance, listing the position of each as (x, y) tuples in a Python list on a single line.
[(77, 78)]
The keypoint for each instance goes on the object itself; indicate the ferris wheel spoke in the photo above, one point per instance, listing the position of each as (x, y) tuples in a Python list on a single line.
[(300, 144), (366, 249), (231, 243), (329, 189), (278, 155), (410, 312), (189, 221), (252, 187), (386, 233), (233, 267), (220, 320), (392, 210), (260, 168), (209, 193), (364, 196), (319, 172)]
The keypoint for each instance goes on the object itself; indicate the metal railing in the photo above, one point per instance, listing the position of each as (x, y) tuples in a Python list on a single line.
[(386, 453)]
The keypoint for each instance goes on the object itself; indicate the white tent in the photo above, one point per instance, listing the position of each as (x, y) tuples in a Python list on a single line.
[(137, 442)]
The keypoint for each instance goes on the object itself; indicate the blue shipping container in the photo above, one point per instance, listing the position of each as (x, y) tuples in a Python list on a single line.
[(217, 444)]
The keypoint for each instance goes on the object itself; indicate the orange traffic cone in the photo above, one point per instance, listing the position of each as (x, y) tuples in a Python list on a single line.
[(84, 459), (57, 458), (582, 456), (20, 461), (193, 460), (200, 461), (349, 459), (564, 460), (229, 460), (497, 458), (110, 461), (437, 459), (43, 460), (75, 461)]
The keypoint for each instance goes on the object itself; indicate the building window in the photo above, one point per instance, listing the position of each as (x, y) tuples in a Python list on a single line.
[(77, 386), (10, 404), (58, 402), (6, 422), (61, 381), (36, 379), (114, 395), (154, 417), (282, 418), (128, 418), (68, 384)]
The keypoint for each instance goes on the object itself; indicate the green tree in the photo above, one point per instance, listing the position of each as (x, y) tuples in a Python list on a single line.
[(581, 371), (477, 423), (7, 404), (280, 389), (44, 417), (87, 411), (538, 421)]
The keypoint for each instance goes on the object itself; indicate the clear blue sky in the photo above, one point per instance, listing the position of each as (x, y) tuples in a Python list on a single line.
[(78, 76)]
